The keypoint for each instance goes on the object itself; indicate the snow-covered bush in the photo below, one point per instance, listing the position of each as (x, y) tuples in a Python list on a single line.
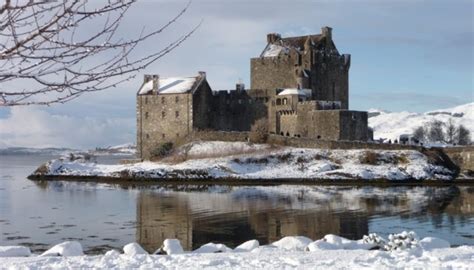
[(401, 241), (374, 239)]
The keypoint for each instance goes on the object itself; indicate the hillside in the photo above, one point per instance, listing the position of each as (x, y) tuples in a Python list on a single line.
[(390, 125)]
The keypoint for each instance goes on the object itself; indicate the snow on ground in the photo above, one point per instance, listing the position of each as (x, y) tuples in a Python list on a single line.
[(390, 125), (331, 252), (266, 163)]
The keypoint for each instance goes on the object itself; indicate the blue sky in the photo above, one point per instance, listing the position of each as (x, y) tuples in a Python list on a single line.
[(406, 55)]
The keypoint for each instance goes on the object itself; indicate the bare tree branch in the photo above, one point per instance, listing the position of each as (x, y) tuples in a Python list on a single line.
[(45, 58)]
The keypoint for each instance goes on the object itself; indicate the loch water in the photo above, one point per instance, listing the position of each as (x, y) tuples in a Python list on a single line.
[(104, 216)]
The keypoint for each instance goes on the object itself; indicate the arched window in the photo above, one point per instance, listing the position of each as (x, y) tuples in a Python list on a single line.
[(285, 101), (287, 134), (278, 101)]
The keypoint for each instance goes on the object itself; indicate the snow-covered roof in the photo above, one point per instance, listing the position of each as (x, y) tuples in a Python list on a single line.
[(273, 50), (294, 91), (172, 85)]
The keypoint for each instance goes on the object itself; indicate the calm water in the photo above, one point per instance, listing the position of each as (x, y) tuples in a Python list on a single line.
[(105, 216)]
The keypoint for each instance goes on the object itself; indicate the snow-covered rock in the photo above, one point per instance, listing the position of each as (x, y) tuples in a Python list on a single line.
[(429, 243), (212, 248), (321, 245), (293, 243), (172, 246), (247, 246), (14, 251), (112, 253), (68, 248), (133, 249)]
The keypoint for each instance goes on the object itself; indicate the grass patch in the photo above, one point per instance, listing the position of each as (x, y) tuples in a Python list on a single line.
[(369, 157)]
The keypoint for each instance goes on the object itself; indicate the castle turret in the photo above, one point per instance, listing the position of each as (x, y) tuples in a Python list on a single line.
[(326, 31)]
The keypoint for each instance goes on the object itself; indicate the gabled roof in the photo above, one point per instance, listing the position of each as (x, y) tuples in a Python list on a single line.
[(172, 85), (285, 45)]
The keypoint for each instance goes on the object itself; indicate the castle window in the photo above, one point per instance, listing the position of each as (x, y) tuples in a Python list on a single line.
[(285, 101), (177, 134), (163, 114), (146, 100), (353, 117), (176, 113), (278, 101), (147, 136), (176, 99), (146, 115), (287, 134), (163, 136), (162, 100)]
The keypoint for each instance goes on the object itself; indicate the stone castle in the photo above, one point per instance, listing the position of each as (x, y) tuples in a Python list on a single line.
[(299, 85)]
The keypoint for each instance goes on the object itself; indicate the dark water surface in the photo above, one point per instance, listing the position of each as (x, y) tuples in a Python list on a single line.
[(40, 214)]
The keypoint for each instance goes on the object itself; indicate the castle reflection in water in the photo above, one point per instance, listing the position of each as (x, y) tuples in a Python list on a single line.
[(236, 214)]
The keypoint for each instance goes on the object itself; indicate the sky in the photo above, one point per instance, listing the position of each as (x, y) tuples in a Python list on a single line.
[(407, 55)]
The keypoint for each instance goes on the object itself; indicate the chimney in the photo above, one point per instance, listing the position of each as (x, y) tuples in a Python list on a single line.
[(273, 37), (156, 82), (202, 74), (326, 31)]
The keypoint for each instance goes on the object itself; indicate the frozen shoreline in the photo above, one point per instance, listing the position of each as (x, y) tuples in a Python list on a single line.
[(332, 252)]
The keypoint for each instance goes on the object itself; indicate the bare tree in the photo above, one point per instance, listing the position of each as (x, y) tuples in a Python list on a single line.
[(420, 134), (435, 132), (451, 131), (55, 51), (463, 135)]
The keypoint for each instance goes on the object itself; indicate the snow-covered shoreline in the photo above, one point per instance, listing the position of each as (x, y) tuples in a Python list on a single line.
[(331, 252), (240, 160)]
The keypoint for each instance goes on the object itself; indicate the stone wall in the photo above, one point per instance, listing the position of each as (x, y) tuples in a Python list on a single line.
[(463, 157), (330, 78), (162, 118), (288, 123), (235, 111), (273, 72), (327, 144), (353, 126)]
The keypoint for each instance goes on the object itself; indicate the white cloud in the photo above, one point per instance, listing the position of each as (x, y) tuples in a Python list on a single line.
[(35, 127)]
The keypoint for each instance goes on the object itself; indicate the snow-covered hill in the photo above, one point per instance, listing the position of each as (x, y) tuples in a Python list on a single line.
[(390, 125)]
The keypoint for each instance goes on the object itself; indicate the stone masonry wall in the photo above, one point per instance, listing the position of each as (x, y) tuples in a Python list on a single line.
[(162, 118), (272, 72)]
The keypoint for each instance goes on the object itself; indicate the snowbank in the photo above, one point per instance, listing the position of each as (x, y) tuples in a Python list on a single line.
[(331, 252), (390, 125), (266, 163)]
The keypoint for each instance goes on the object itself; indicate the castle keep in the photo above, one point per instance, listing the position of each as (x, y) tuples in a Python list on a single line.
[(299, 85)]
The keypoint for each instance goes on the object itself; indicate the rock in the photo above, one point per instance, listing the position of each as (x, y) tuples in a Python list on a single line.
[(247, 246), (68, 248), (212, 248), (14, 251), (172, 246), (294, 243), (112, 253), (133, 249), (321, 245), (429, 243)]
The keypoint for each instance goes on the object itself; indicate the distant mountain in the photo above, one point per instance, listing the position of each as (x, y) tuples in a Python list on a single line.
[(390, 125), (36, 151)]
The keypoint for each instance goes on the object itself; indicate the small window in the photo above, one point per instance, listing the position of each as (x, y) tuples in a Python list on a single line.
[(176, 114), (147, 136), (163, 114), (285, 101), (177, 135), (176, 99), (146, 115), (163, 136), (146, 100), (353, 117), (278, 101), (163, 100)]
